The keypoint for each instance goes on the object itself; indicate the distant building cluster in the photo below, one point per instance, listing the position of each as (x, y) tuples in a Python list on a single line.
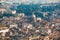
[(38, 26), (23, 27)]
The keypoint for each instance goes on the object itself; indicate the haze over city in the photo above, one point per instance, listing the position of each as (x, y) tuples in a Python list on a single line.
[(33, 1)]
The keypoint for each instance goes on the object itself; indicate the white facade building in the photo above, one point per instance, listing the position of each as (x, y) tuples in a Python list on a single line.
[(13, 25)]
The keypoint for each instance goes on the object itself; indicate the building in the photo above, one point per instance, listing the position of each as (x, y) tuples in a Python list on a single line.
[(30, 26), (45, 14), (49, 31), (46, 38), (13, 11), (3, 26), (39, 19), (34, 38), (21, 14), (17, 18), (13, 25), (2, 10), (57, 24)]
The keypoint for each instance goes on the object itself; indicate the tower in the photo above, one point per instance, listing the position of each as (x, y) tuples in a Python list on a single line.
[(34, 16)]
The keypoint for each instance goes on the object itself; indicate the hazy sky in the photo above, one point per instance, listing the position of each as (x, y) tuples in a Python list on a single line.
[(34, 1)]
